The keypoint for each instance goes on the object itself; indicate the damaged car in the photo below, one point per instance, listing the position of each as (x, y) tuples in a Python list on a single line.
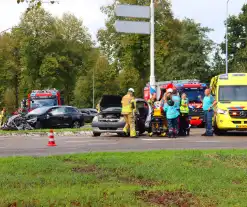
[(110, 120)]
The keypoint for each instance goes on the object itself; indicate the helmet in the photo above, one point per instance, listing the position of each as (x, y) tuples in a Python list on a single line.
[(131, 90), (170, 90)]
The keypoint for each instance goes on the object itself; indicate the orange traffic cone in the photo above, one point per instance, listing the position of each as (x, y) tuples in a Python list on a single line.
[(51, 142)]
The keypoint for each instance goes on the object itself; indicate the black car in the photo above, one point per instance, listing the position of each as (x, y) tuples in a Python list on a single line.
[(56, 117), (88, 114), (110, 120)]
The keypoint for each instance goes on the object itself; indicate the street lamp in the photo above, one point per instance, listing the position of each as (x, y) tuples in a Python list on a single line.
[(227, 36)]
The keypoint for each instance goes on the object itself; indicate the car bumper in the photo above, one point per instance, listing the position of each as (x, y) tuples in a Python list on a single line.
[(109, 127), (225, 122)]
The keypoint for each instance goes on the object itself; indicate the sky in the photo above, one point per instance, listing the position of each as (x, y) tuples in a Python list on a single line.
[(210, 13)]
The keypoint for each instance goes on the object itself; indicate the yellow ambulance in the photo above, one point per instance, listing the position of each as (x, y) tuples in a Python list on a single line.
[(230, 92)]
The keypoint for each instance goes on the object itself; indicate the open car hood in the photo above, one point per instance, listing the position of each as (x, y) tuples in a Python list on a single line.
[(110, 101)]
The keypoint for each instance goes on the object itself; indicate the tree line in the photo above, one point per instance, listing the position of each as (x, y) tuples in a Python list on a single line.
[(44, 51)]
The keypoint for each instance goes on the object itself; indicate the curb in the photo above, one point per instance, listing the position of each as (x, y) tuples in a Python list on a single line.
[(40, 134)]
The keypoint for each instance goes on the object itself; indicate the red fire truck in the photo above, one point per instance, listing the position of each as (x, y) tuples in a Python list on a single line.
[(39, 98), (193, 89)]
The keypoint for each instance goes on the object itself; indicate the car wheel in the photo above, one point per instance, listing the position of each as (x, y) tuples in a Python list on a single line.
[(96, 134), (217, 131), (38, 125), (76, 124)]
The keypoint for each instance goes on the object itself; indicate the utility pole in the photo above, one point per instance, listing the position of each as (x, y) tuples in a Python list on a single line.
[(227, 36), (93, 87), (152, 57), (139, 27)]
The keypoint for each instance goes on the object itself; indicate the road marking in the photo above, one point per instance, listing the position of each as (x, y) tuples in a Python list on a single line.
[(161, 139), (79, 141), (208, 141), (102, 143)]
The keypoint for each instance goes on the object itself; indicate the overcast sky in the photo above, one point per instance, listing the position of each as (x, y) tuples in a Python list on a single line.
[(210, 13)]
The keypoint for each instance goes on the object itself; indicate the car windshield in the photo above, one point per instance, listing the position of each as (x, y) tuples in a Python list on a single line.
[(192, 94), (233, 93), (36, 103), (39, 111)]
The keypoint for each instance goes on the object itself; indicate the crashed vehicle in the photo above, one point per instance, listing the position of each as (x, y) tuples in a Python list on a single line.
[(110, 120)]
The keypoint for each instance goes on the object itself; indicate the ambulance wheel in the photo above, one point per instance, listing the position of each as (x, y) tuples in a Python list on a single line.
[(96, 134), (217, 131)]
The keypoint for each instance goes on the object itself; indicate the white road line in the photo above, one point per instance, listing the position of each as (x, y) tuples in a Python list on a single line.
[(81, 141), (161, 139), (102, 143), (207, 141)]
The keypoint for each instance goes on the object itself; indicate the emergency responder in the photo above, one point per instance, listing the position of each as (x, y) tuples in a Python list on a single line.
[(128, 111), (152, 100), (2, 117)]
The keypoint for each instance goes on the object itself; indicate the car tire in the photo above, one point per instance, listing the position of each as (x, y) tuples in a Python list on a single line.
[(38, 125), (76, 124), (217, 131), (95, 134)]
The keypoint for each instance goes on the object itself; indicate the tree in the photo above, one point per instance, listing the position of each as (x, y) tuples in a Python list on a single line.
[(237, 41), (182, 48), (35, 4), (10, 66)]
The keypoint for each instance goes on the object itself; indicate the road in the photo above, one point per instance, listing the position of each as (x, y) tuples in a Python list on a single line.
[(37, 146)]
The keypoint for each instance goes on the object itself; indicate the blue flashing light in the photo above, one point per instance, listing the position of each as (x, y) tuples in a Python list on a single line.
[(204, 85), (33, 94)]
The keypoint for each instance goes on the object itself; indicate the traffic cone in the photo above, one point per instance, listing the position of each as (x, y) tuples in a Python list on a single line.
[(51, 142)]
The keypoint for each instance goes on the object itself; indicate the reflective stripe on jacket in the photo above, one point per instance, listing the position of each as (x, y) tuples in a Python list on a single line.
[(128, 104), (184, 108)]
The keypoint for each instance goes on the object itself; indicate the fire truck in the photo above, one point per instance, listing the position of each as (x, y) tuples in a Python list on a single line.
[(193, 89), (40, 98)]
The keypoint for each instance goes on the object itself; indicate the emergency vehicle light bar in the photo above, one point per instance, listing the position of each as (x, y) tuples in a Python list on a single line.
[(45, 91), (193, 81)]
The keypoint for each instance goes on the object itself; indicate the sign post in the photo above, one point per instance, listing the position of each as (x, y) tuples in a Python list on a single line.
[(139, 27)]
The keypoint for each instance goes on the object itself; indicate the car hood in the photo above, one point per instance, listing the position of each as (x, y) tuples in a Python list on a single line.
[(110, 101), (111, 110)]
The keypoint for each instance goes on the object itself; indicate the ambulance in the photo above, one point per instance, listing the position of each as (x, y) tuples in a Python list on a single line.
[(230, 92)]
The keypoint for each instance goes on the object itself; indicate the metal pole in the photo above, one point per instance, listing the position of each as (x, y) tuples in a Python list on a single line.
[(152, 66), (93, 87), (227, 36)]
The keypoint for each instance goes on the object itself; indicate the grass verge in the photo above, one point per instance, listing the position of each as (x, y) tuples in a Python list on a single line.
[(160, 178), (5, 132)]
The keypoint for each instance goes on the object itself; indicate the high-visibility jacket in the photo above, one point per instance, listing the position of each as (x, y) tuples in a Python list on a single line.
[(151, 102), (184, 108), (128, 104)]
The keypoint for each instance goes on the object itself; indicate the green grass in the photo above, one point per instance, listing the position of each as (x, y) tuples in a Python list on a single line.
[(170, 178), (4, 132)]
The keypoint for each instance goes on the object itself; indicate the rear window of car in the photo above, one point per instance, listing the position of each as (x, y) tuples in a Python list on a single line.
[(39, 110), (71, 110)]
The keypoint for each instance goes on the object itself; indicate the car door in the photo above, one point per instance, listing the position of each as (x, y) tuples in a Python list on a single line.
[(68, 116), (57, 117), (86, 115), (143, 116)]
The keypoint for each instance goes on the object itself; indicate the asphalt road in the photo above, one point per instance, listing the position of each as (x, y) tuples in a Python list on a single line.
[(37, 146)]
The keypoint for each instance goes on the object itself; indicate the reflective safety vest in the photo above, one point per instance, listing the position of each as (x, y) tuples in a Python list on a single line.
[(151, 102), (184, 108), (128, 104)]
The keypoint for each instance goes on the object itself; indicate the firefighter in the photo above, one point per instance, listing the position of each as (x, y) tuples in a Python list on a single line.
[(128, 111), (152, 100), (2, 117)]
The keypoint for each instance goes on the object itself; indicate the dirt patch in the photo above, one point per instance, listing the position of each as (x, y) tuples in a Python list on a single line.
[(85, 169), (237, 182), (230, 161), (142, 182), (167, 199)]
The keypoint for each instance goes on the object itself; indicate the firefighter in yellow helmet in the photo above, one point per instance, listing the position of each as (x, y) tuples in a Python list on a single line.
[(128, 111)]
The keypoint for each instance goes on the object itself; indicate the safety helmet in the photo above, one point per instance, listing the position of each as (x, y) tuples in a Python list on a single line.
[(170, 90), (131, 90)]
